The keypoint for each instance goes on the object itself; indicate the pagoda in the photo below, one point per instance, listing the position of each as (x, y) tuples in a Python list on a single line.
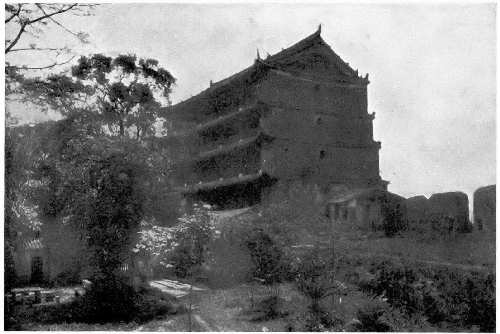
[(298, 117)]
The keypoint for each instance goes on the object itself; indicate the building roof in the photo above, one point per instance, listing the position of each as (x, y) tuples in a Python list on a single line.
[(257, 108), (223, 182), (275, 61), (240, 143), (34, 244)]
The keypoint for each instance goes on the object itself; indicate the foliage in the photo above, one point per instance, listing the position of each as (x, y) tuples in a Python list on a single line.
[(123, 93), (377, 316), (96, 185), (393, 218), (457, 297), (181, 246), (22, 154), (315, 279), (268, 308), (269, 261)]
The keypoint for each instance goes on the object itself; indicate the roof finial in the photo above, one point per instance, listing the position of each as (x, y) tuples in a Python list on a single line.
[(319, 29), (258, 55)]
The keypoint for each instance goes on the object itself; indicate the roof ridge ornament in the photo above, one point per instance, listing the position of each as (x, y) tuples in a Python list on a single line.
[(258, 54), (319, 29)]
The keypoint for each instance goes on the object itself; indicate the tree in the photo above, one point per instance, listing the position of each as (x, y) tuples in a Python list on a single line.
[(97, 185), (123, 93), (22, 154)]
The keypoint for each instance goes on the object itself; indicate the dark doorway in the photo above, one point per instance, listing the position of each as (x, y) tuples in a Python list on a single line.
[(36, 269)]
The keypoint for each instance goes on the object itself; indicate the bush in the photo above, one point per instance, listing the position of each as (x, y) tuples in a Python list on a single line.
[(377, 316), (181, 246), (191, 237), (372, 318), (315, 277), (269, 261), (393, 218), (268, 308), (440, 294), (315, 280), (68, 277)]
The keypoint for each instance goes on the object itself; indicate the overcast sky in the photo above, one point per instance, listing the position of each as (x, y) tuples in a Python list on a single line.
[(432, 70)]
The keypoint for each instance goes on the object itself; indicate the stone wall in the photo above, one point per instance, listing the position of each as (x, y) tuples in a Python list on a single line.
[(442, 213), (417, 208), (485, 208)]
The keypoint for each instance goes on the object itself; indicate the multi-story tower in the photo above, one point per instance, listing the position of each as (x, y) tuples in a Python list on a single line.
[(297, 116)]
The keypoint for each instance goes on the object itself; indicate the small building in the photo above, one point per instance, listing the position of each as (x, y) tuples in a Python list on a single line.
[(485, 208), (368, 209), (48, 252), (30, 262)]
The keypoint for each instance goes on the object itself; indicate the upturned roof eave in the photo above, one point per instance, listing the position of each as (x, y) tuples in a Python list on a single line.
[(268, 63), (224, 182)]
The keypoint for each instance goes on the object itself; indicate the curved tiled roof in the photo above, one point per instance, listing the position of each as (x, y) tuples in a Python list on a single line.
[(274, 61)]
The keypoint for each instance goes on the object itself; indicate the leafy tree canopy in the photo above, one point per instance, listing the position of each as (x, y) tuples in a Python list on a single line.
[(124, 93)]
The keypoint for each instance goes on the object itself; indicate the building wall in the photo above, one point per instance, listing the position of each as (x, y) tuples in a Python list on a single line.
[(64, 250), (363, 214), (322, 132), (23, 260), (313, 96), (289, 159), (372, 209)]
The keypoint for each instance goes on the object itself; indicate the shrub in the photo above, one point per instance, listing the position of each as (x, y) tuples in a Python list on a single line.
[(191, 237), (440, 294), (267, 308), (377, 316), (269, 261), (372, 318), (68, 277), (393, 219), (315, 280), (181, 246)]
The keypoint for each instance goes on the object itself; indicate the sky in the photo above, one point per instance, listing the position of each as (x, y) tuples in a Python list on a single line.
[(432, 70)]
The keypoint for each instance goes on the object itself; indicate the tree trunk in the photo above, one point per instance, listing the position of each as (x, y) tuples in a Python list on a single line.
[(122, 128)]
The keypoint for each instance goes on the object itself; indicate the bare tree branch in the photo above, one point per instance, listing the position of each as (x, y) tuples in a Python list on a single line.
[(19, 6), (57, 22), (46, 16), (36, 49), (26, 23), (43, 67), (16, 39)]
